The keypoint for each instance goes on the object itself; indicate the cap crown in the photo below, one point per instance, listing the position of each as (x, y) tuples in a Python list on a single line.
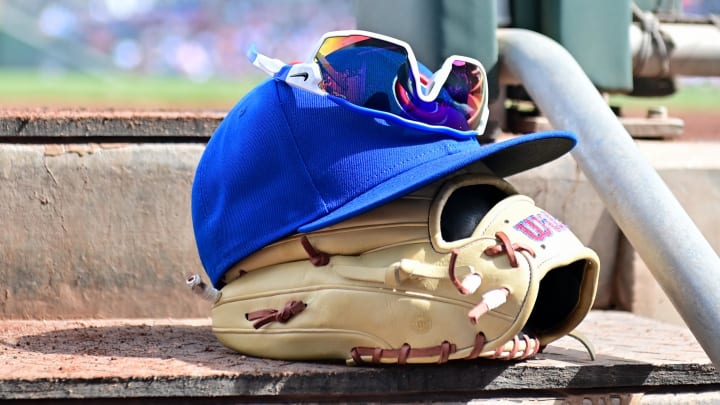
[(284, 160)]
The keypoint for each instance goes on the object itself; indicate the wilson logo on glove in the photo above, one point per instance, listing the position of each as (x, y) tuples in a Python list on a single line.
[(540, 226)]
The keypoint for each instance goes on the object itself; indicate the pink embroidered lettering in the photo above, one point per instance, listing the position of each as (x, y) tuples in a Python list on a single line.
[(540, 226)]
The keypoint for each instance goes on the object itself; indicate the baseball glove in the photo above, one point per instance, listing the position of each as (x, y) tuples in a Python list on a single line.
[(465, 270)]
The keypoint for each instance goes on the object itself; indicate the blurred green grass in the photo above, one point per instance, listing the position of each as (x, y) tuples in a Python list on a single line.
[(23, 89), (31, 89), (694, 97)]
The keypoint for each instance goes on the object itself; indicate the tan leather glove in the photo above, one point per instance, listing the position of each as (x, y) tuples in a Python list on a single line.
[(470, 270)]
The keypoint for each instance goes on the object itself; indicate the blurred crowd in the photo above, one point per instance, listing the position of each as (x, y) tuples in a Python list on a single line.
[(196, 38), (701, 7)]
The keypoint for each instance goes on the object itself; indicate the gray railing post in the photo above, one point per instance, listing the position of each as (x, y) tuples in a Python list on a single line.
[(679, 257)]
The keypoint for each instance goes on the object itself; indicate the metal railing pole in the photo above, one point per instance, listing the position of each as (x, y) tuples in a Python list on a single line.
[(679, 257)]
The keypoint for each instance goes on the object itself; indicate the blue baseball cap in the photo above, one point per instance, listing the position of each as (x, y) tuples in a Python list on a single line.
[(285, 161)]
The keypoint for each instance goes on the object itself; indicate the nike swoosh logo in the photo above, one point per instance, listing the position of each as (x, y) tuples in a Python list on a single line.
[(304, 75)]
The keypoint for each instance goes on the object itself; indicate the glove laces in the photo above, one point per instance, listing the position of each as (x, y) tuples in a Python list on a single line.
[(493, 298), (265, 316)]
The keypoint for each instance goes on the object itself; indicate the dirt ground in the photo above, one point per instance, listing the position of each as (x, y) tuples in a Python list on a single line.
[(702, 125)]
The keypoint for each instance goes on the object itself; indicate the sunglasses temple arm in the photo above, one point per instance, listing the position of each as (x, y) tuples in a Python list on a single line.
[(268, 65)]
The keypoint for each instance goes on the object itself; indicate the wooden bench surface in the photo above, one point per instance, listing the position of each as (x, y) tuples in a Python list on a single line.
[(170, 358)]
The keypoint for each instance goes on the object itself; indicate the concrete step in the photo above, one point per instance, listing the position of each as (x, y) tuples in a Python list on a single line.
[(96, 229), (96, 213), (639, 361)]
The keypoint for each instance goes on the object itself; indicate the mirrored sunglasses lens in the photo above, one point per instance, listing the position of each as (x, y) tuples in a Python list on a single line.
[(359, 68), (459, 102), (465, 87), (360, 43), (376, 73)]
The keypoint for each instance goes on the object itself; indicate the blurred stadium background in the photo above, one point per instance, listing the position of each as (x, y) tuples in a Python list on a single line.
[(176, 53), (198, 39), (150, 52)]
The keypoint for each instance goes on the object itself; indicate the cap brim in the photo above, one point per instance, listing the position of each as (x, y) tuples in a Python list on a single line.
[(503, 158)]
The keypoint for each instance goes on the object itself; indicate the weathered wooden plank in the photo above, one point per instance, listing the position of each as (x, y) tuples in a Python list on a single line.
[(181, 358), (83, 123)]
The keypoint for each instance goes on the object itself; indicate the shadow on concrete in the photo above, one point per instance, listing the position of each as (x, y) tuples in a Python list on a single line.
[(180, 359), (217, 369)]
